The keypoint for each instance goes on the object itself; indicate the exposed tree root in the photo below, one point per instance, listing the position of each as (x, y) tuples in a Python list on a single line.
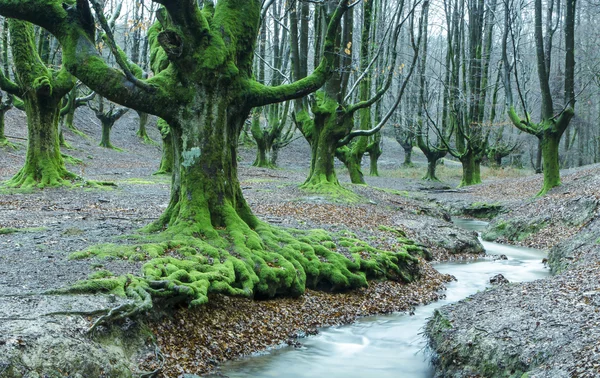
[(332, 189), (42, 176), (238, 261), (6, 143)]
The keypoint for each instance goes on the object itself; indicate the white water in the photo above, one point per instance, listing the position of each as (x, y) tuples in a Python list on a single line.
[(389, 346)]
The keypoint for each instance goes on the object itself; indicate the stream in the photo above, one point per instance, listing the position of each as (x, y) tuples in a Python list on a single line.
[(389, 345)]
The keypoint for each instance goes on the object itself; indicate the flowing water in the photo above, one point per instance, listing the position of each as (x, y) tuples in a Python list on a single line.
[(389, 345)]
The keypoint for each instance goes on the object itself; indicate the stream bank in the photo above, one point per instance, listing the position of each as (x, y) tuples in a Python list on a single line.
[(545, 328), (389, 346)]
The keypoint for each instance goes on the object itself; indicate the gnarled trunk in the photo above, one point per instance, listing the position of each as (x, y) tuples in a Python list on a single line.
[(323, 145), (374, 149), (205, 193), (44, 165), (143, 122), (432, 162), (352, 159)]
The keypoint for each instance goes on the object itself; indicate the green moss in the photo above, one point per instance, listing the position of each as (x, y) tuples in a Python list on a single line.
[(101, 274), (266, 262), (9, 230), (515, 230), (71, 160), (483, 210)]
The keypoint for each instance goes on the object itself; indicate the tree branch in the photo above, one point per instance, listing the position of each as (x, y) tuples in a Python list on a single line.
[(261, 95)]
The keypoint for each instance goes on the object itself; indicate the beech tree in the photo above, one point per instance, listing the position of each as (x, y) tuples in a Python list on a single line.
[(41, 90), (205, 92), (328, 126), (108, 116), (551, 127)]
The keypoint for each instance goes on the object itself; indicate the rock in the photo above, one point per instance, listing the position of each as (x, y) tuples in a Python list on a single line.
[(44, 334), (437, 233), (499, 279)]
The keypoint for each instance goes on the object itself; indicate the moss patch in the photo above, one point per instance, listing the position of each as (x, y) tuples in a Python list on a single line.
[(263, 263)]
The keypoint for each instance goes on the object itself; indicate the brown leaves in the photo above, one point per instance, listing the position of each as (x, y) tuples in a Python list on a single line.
[(196, 340)]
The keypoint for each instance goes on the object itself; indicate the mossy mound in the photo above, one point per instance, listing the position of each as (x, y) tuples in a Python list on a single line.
[(483, 210), (513, 229), (263, 263)]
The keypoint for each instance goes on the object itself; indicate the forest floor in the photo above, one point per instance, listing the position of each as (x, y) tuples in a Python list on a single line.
[(42, 228)]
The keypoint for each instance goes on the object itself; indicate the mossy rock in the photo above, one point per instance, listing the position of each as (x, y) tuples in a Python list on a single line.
[(481, 210), (513, 229)]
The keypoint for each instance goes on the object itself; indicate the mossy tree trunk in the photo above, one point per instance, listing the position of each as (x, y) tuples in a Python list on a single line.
[(143, 118), (351, 156), (166, 160), (552, 126), (264, 141), (323, 132), (41, 90), (3, 140), (108, 117), (375, 151), (105, 139), (470, 170)]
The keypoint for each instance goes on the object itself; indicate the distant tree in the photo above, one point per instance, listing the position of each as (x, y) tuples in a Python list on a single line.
[(108, 116), (551, 126)]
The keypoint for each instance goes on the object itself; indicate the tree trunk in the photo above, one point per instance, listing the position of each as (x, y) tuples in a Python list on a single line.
[(262, 156), (407, 156), (550, 147), (470, 170), (538, 158), (322, 172), (432, 162), (373, 160), (44, 165), (353, 163), (375, 151), (205, 193), (262, 138), (106, 128), (166, 161), (3, 140), (142, 132)]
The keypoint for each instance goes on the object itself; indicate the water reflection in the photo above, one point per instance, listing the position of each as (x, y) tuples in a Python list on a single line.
[(389, 345)]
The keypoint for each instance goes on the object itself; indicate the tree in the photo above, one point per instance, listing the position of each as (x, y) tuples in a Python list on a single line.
[(269, 123), (330, 128), (41, 89), (166, 160), (6, 103), (551, 126), (205, 93), (108, 116), (71, 104)]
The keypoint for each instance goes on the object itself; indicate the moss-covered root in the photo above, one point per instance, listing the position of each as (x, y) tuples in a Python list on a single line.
[(7, 144), (42, 174), (321, 185), (261, 263)]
